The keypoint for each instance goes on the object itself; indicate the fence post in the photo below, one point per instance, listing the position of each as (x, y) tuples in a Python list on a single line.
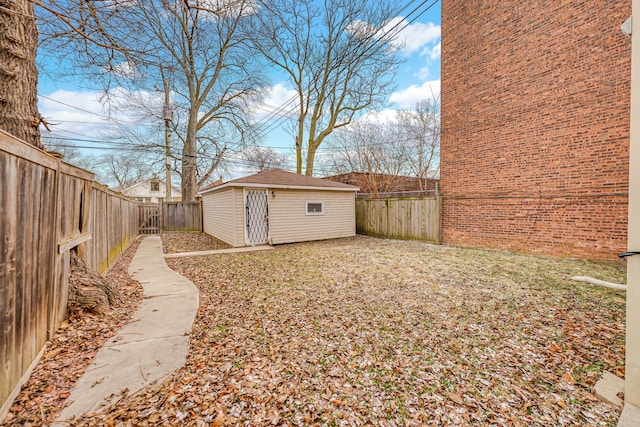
[(201, 217), (387, 203), (53, 273)]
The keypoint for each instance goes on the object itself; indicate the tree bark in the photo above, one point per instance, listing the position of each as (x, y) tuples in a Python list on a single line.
[(88, 290), (18, 73)]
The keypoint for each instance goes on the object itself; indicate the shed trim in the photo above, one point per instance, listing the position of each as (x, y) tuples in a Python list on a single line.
[(277, 186)]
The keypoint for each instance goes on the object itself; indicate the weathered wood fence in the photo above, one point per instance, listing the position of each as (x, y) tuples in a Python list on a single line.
[(401, 218), (47, 209), (149, 218), (182, 216), (169, 216)]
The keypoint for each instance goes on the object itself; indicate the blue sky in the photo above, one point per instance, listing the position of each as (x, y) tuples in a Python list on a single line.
[(78, 117)]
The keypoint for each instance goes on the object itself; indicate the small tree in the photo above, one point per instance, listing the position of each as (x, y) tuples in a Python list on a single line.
[(263, 158), (122, 171), (370, 148), (420, 130), (70, 154), (335, 55)]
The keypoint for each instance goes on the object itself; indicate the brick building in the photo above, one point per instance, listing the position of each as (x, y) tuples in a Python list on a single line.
[(384, 185), (535, 125)]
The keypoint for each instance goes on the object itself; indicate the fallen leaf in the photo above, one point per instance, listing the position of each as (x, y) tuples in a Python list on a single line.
[(53, 353), (567, 378), (456, 398), (219, 419), (555, 348)]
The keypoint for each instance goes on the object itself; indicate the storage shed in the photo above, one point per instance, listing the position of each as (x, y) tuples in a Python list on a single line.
[(275, 206)]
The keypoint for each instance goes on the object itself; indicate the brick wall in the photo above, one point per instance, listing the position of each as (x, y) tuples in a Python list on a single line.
[(535, 125)]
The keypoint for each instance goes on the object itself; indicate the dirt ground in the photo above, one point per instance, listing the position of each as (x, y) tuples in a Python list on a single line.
[(366, 331)]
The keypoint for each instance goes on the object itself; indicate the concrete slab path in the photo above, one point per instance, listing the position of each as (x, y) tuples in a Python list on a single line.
[(152, 345), (219, 251)]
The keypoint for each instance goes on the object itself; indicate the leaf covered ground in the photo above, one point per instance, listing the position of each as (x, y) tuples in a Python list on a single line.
[(364, 331), (175, 242), (72, 349)]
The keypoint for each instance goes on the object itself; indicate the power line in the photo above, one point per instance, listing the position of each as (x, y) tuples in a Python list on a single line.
[(276, 115), (377, 40), (74, 107), (108, 120)]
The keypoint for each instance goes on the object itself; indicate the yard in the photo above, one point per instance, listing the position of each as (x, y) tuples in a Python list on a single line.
[(365, 331)]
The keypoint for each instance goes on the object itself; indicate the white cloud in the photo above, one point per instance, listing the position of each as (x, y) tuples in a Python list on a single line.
[(85, 114), (384, 116), (280, 101), (226, 8), (77, 113), (432, 53), (124, 69), (424, 72), (407, 98), (406, 38), (412, 37)]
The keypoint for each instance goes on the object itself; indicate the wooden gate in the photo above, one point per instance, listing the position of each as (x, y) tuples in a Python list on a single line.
[(149, 219)]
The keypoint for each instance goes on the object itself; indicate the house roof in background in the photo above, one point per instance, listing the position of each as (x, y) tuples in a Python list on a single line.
[(147, 182), (277, 178), (385, 182)]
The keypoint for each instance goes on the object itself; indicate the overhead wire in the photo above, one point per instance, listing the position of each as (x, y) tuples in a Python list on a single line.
[(276, 115), (378, 39)]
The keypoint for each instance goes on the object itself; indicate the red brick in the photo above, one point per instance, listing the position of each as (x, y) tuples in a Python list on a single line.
[(535, 125)]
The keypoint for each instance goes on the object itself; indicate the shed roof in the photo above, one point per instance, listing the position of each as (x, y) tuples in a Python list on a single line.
[(277, 178)]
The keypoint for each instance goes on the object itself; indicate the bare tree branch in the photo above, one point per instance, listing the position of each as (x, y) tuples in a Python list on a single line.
[(330, 60)]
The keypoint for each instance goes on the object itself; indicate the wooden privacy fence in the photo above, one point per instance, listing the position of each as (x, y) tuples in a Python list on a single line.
[(182, 216), (401, 218), (169, 216), (48, 208)]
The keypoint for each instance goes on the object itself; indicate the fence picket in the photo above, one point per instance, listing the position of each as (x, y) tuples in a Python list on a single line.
[(416, 218), (47, 208)]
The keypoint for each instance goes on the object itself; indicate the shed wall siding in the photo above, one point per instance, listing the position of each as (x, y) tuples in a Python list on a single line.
[(219, 216), (289, 223), (238, 203)]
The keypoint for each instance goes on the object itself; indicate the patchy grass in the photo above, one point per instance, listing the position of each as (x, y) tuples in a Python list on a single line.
[(364, 331)]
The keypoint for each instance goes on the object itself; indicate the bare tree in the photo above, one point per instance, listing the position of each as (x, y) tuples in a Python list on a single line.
[(18, 74), (263, 158), (70, 153), (420, 130), (337, 58), (122, 171), (369, 148), (200, 45)]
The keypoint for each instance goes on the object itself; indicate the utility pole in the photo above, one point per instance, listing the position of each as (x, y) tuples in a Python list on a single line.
[(167, 115)]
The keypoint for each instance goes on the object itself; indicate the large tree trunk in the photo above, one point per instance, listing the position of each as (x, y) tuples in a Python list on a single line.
[(189, 166), (18, 74)]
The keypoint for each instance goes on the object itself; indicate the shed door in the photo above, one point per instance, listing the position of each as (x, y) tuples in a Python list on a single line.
[(256, 217)]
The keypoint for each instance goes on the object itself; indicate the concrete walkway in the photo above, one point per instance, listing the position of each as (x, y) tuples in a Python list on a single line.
[(219, 251), (151, 346)]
